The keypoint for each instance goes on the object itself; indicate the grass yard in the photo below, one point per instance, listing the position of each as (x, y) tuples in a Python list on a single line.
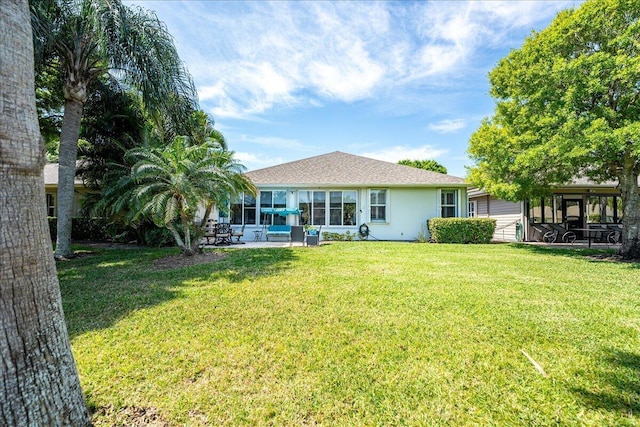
[(358, 334)]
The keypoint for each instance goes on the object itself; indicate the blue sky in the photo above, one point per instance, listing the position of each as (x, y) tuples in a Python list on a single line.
[(387, 80)]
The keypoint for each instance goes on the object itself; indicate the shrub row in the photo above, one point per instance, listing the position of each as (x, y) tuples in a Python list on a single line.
[(349, 236), (462, 230), (104, 230), (82, 228)]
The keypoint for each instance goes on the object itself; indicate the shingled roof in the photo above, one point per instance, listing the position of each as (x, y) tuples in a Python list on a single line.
[(342, 169), (51, 175)]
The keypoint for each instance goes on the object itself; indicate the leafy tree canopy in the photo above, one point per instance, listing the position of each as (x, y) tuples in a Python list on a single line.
[(430, 165), (567, 106)]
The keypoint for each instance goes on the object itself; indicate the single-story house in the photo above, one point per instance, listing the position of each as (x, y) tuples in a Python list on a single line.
[(579, 204), (51, 190), (340, 192)]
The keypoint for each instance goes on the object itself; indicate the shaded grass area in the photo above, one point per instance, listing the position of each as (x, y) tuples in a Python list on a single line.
[(360, 333)]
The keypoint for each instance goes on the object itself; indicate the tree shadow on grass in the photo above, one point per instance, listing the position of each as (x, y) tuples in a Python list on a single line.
[(102, 287), (618, 388), (592, 255)]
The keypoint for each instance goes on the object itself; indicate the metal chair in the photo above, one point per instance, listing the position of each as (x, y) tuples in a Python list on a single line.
[(237, 234)]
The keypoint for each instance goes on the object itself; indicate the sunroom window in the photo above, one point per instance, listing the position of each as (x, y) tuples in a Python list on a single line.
[(339, 205), (243, 210), (273, 199)]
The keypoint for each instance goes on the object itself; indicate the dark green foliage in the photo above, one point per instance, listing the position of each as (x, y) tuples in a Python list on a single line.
[(105, 230), (154, 236), (83, 229), (430, 165), (462, 230)]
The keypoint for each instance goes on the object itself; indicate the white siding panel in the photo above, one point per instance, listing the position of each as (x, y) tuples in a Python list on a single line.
[(506, 214)]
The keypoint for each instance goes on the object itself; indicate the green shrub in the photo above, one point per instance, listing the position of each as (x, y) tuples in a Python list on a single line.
[(103, 230), (156, 237), (81, 228), (462, 230)]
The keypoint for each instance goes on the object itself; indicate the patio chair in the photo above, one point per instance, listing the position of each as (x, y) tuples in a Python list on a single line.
[(312, 237), (223, 234), (238, 234), (567, 236), (297, 233), (544, 233), (209, 232), (615, 234)]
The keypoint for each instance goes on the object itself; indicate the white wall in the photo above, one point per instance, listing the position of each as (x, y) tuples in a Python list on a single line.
[(408, 210)]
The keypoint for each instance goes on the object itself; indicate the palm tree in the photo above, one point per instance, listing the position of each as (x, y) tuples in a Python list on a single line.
[(169, 183), (40, 384), (86, 39)]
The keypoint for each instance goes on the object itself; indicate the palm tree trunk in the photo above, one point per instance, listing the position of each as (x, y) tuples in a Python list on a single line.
[(39, 383), (66, 174), (176, 236), (189, 250), (631, 219), (207, 212)]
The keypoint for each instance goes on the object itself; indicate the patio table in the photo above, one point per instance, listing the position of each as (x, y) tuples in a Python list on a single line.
[(588, 232)]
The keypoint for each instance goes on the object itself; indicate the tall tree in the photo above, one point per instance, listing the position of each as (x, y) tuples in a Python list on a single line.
[(567, 106), (87, 39), (38, 380), (169, 183), (428, 164)]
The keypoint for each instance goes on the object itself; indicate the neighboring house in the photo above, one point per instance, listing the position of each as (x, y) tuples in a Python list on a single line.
[(576, 205), (51, 190), (341, 191), (508, 215)]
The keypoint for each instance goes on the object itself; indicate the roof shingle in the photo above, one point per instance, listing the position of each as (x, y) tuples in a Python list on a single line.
[(342, 169)]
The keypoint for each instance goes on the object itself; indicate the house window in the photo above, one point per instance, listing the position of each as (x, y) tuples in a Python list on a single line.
[(273, 199), (448, 203), (473, 209), (319, 208), (342, 208), (243, 210), (312, 205), (340, 205), (51, 204), (378, 205)]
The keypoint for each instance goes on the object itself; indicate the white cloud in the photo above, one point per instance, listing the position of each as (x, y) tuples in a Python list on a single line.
[(250, 57), (252, 161), (397, 153), (447, 126)]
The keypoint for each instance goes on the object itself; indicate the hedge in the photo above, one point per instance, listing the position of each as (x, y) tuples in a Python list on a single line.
[(82, 228), (462, 230), (105, 230)]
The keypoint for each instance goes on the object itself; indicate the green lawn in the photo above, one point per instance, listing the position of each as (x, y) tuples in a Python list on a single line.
[(359, 333)]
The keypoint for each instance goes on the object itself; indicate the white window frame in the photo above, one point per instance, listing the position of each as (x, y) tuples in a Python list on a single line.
[(385, 204), (455, 204), (270, 219), (326, 206), (51, 204), (472, 209), (241, 200)]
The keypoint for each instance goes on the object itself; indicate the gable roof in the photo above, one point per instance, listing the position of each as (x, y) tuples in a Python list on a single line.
[(51, 175), (342, 169)]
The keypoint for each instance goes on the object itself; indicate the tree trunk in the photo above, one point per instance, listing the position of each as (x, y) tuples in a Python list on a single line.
[(39, 383), (66, 175), (176, 236), (631, 219), (189, 249)]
